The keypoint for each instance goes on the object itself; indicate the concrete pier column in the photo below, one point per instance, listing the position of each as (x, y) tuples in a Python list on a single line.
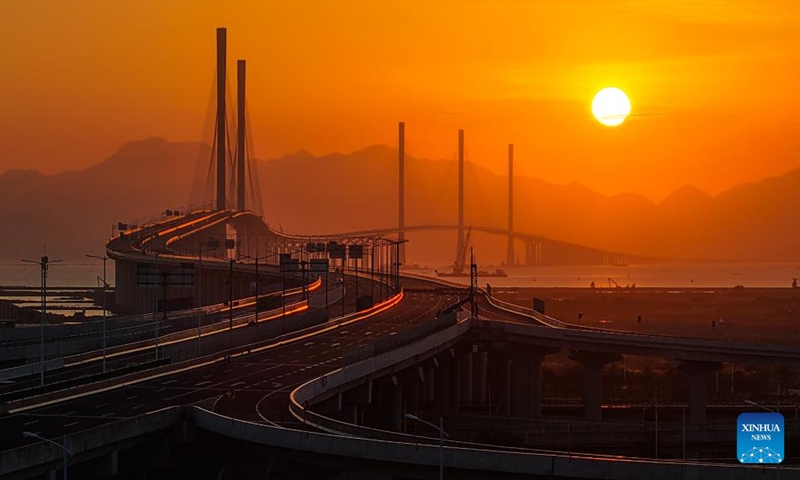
[(526, 385), (395, 408), (412, 395), (466, 377), (442, 396), (525, 379), (113, 463), (698, 374), (504, 383), (479, 371), (455, 383), (431, 379), (593, 364), (492, 384)]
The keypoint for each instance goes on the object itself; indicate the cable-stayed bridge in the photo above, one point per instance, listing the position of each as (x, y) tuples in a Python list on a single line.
[(251, 353)]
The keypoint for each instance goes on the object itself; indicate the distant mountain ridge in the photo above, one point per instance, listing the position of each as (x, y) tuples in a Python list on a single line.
[(73, 211)]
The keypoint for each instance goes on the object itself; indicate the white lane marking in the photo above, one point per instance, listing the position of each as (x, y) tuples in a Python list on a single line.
[(101, 405), (132, 397), (109, 414), (31, 422), (68, 414), (117, 386), (138, 406), (204, 383), (70, 424), (237, 384), (308, 344), (160, 390), (335, 344)]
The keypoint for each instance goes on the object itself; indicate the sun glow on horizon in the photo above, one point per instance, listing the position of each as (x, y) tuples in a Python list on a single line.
[(611, 106)]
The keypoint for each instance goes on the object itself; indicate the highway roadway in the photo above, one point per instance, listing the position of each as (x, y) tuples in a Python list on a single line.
[(262, 381), (146, 354)]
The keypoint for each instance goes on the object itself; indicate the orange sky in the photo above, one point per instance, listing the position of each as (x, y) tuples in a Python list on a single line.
[(713, 83)]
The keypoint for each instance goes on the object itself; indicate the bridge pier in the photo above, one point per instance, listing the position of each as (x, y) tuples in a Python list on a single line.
[(479, 369), (113, 463), (395, 405), (501, 373), (357, 400), (411, 396), (523, 377), (443, 381), (698, 374), (433, 377), (533, 252), (593, 363), (455, 381), (466, 376)]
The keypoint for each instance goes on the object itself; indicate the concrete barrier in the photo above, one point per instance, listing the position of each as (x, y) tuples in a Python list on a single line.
[(311, 391), (314, 322), (497, 463), (87, 444), (184, 335), (30, 369)]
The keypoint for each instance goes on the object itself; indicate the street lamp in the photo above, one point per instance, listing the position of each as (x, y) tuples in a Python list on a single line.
[(43, 263), (67, 453), (105, 286), (442, 434)]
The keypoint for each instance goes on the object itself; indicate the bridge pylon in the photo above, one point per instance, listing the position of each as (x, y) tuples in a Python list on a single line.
[(241, 68), (401, 221), (510, 260), (222, 39), (460, 241)]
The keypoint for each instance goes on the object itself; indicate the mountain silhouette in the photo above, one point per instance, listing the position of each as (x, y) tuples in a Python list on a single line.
[(72, 212)]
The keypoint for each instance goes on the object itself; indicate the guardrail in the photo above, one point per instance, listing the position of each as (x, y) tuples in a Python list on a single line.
[(30, 369), (184, 335), (316, 322), (304, 395), (387, 344)]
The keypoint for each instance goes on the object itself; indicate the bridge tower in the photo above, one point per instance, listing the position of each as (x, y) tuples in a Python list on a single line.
[(241, 67), (510, 250), (460, 241), (222, 34), (401, 221)]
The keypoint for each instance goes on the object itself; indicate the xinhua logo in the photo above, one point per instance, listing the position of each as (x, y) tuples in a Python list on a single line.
[(760, 438)]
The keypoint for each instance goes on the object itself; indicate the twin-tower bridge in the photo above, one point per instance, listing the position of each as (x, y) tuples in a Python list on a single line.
[(232, 184)]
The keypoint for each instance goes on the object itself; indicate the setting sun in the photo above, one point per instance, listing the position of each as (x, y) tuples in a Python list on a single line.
[(611, 106)]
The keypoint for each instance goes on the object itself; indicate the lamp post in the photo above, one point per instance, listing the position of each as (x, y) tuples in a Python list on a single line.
[(105, 286), (63, 447), (257, 280), (199, 295), (442, 434), (43, 264), (230, 296)]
